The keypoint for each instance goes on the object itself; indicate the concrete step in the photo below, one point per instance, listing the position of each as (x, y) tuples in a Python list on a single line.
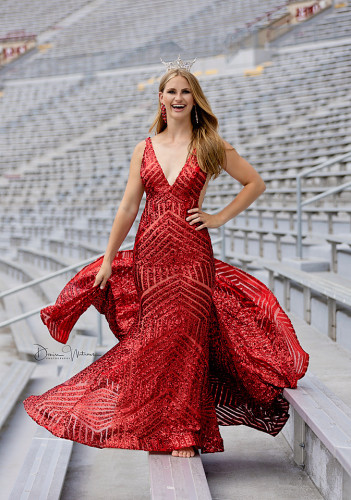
[(330, 362), (256, 465)]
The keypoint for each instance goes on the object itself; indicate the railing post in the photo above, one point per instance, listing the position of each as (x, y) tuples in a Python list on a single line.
[(299, 446), (299, 217), (299, 202)]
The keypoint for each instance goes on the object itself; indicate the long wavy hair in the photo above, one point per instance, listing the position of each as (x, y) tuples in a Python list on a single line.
[(210, 148)]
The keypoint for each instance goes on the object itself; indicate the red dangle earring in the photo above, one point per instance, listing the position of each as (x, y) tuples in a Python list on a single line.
[(163, 112)]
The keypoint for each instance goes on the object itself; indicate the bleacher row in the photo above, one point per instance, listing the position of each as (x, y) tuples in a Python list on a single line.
[(300, 92), (104, 37), (35, 17), (57, 116)]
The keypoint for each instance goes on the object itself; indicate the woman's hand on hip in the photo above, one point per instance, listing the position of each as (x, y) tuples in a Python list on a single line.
[(103, 275), (208, 220)]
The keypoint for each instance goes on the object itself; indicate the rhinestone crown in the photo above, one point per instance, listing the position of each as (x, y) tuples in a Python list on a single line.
[(178, 63)]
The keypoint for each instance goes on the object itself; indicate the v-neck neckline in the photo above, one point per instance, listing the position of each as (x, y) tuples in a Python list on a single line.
[(161, 169)]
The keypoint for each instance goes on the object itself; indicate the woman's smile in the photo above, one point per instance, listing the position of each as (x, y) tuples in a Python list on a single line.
[(178, 107)]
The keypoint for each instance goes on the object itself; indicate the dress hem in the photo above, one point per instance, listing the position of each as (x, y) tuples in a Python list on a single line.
[(130, 443)]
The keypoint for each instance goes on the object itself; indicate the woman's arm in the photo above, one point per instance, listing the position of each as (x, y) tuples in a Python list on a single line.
[(241, 170), (254, 186), (125, 216)]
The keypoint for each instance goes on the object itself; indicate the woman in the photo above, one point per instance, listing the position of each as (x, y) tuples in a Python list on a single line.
[(201, 343)]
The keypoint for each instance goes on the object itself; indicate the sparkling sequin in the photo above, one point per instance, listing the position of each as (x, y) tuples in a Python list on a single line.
[(201, 343)]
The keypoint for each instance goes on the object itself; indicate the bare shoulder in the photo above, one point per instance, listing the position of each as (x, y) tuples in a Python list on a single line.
[(228, 146), (139, 150), (231, 154)]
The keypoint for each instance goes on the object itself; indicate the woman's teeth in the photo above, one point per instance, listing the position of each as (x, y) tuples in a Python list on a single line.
[(178, 106)]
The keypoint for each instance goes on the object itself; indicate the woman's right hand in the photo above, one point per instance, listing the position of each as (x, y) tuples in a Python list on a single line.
[(103, 275)]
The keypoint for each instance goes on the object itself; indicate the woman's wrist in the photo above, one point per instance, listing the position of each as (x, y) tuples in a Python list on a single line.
[(222, 220), (108, 259)]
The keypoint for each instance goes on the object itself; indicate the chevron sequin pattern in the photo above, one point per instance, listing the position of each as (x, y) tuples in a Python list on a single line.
[(200, 342)]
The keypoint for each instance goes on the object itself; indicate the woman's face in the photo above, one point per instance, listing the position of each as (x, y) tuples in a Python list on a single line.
[(177, 98)]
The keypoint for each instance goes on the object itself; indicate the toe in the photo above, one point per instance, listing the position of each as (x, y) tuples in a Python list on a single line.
[(186, 452)]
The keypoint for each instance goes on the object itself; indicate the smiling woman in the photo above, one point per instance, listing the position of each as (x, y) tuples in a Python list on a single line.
[(201, 343), (182, 99)]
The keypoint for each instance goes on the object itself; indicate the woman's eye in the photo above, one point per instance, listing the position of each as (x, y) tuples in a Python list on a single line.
[(173, 91)]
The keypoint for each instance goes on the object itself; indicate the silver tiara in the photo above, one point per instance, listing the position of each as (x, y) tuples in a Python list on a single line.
[(178, 63)]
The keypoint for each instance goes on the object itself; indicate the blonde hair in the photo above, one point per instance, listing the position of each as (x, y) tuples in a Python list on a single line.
[(210, 148)]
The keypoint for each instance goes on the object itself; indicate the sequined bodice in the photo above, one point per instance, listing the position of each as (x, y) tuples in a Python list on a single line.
[(166, 206), (183, 193)]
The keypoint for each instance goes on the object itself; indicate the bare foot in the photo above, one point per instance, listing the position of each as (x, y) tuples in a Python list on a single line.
[(185, 452)]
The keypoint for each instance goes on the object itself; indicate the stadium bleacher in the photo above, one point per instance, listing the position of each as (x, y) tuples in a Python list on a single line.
[(71, 116), (35, 17), (105, 37)]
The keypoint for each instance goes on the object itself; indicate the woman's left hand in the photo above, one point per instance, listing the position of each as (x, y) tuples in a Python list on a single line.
[(208, 220)]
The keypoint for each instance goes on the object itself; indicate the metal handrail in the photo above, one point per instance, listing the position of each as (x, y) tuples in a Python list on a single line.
[(22, 316), (47, 278), (329, 191), (64, 270)]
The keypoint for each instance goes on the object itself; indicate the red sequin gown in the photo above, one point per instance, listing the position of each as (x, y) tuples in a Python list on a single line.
[(201, 343)]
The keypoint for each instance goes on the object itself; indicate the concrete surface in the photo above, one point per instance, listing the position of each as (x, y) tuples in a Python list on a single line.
[(255, 466)]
